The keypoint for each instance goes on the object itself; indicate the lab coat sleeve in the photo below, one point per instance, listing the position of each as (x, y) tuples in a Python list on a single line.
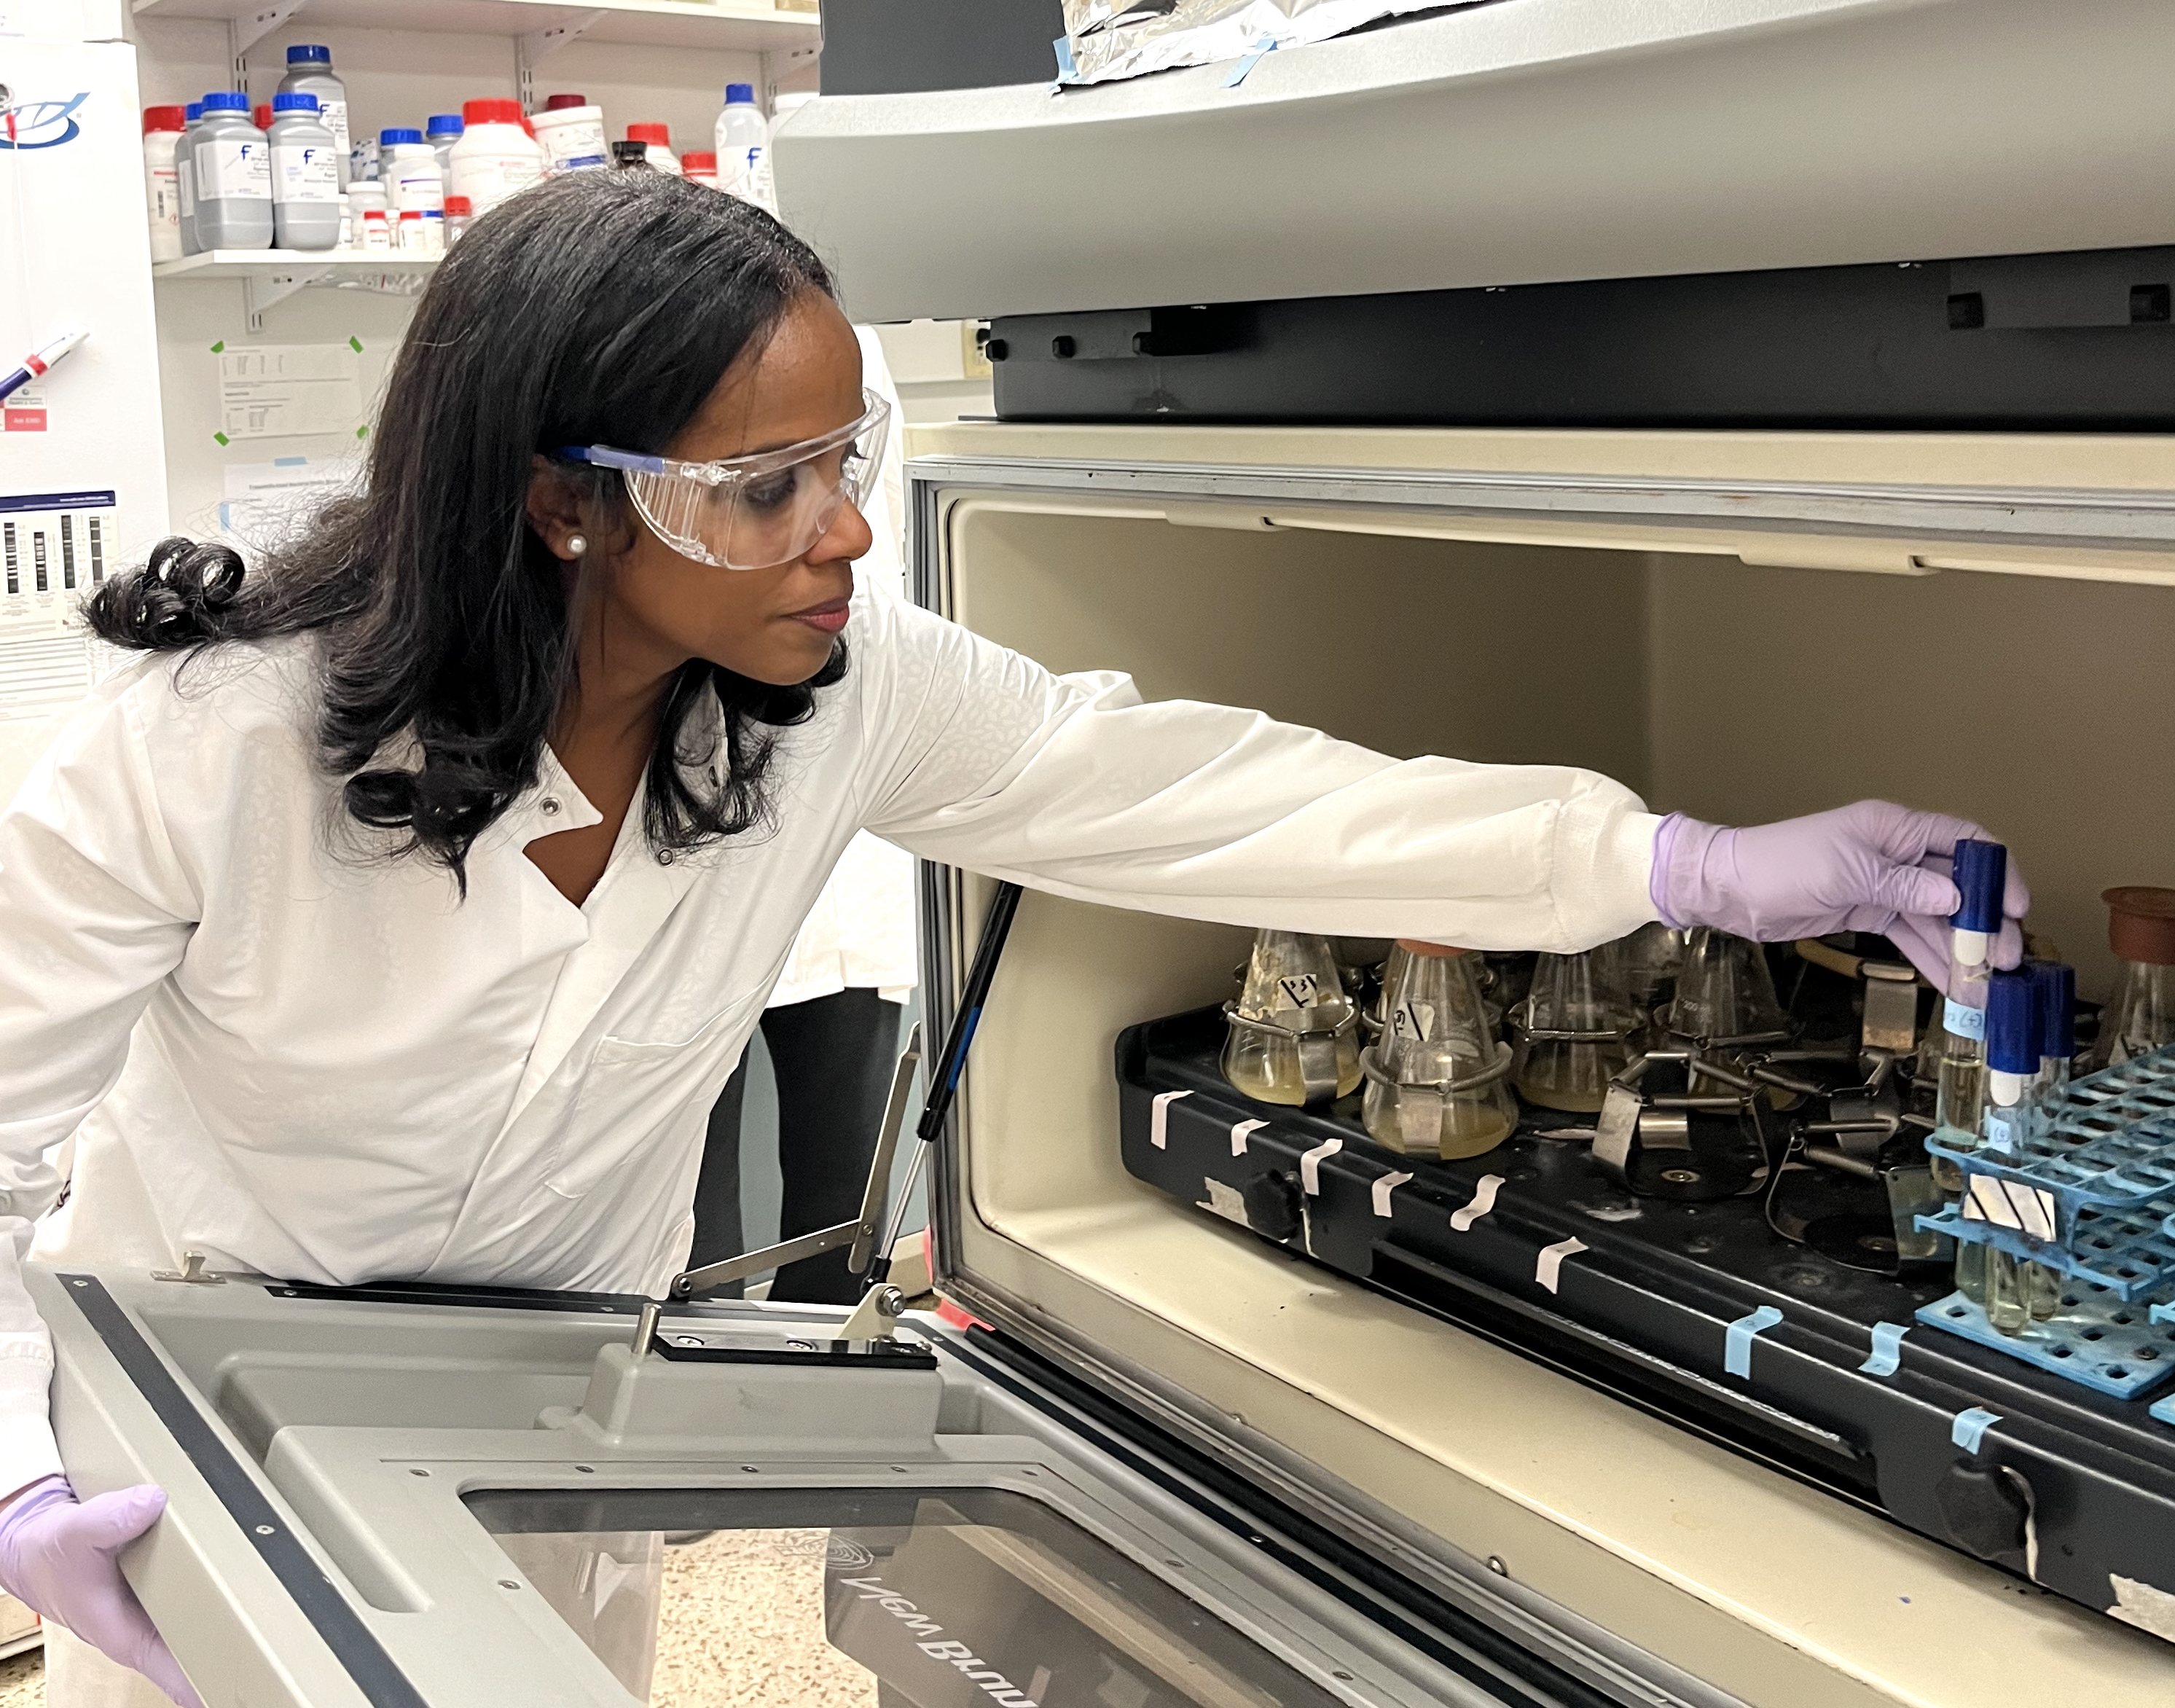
[(94, 910), (983, 759)]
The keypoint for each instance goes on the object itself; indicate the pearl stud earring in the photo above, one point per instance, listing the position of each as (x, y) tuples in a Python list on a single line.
[(577, 544)]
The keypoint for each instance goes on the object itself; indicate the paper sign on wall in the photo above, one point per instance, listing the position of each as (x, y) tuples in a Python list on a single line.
[(273, 391)]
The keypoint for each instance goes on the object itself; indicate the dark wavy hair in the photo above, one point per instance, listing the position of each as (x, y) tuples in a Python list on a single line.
[(601, 308)]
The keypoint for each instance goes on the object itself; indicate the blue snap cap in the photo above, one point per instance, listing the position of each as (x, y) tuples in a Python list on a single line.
[(1982, 870), (226, 101), (738, 94), (309, 55), (400, 133), (294, 101), (2012, 1023), (2057, 985), (446, 124)]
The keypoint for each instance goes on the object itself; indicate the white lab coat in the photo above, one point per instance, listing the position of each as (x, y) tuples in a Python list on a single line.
[(859, 934), (307, 1062)]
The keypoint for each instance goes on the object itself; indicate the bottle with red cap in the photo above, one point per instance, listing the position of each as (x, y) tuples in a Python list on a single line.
[(162, 184), (571, 132), (657, 146), (496, 157), (2139, 1017), (700, 168)]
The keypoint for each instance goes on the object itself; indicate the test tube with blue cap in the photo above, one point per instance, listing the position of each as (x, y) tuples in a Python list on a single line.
[(1981, 871), (2056, 983), (2011, 1046)]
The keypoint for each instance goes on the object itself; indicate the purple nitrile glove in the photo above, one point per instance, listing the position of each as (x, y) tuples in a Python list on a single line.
[(1873, 867), (57, 1558)]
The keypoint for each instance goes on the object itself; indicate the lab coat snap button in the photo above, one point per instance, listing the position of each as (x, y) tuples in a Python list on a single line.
[(550, 803), (664, 857)]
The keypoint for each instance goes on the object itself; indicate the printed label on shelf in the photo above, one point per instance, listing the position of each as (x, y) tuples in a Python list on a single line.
[(1296, 991), (1413, 1022), (1483, 1200), (25, 411), (306, 172), (1241, 1132), (236, 170), (1963, 1021)]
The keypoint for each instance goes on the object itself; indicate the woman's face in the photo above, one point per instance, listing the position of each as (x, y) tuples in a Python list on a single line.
[(775, 624)]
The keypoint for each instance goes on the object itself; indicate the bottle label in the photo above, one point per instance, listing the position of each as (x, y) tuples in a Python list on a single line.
[(185, 175), (234, 170), (1296, 991), (421, 191), (1963, 1021), (304, 172), (164, 185), (334, 115), (1412, 1022)]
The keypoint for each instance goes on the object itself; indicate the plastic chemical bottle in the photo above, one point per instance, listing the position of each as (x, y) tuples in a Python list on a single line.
[(306, 194), (233, 175), (162, 186), (657, 143), (365, 196), (377, 231), (700, 168), (1981, 871), (496, 157), (1436, 1079), (458, 213), (571, 132), (2139, 1017), (408, 168), (744, 149), (1573, 1031), (309, 72), (1294, 1035), (185, 174), (442, 131)]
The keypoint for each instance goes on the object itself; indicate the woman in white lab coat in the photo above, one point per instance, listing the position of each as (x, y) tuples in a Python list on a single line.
[(399, 912)]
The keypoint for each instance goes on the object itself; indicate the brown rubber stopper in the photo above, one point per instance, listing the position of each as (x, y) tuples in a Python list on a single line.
[(1414, 946), (2141, 923)]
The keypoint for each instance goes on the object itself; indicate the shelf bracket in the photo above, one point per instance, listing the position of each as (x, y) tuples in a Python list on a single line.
[(532, 48), (245, 32), (258, 295), (779, 63)]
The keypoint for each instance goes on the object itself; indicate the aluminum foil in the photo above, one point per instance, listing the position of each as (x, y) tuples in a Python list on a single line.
[(1111, 40)]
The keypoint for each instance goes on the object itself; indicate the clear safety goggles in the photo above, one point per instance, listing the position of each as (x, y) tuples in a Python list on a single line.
[(751, 513)]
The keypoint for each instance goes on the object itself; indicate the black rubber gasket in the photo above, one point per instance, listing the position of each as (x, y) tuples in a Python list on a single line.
[(352, 1642)]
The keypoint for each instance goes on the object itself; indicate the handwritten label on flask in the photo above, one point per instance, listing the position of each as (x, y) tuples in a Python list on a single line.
[(1297, 990), (1412, 1022)]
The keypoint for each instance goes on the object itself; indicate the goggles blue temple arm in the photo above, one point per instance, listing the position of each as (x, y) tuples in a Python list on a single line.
[(606, 457)]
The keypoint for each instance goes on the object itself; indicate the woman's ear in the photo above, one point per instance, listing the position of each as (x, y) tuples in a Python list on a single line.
[(554, 508)]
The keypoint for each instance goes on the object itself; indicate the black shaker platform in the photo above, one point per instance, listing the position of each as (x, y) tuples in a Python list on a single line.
[(2064, 1485)]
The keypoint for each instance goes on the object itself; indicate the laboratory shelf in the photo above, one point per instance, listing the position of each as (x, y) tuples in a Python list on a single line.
[(281, 263), (753, 26)]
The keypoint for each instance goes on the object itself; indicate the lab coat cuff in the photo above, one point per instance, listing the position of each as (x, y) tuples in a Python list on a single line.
[(1624, 871), (28, 1450)]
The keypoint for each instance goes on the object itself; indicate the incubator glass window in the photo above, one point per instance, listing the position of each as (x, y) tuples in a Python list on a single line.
[(872, 1598)]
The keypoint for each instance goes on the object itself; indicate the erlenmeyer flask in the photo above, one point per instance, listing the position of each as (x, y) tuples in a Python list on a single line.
[(1725, 994), (1653, 956), (1294, 1033), (2139, 1017), (1573, 1030), (1436, 1078)]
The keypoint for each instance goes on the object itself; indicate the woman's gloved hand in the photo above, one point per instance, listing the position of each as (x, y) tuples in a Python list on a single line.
[(57, 1558), (1873, 867)]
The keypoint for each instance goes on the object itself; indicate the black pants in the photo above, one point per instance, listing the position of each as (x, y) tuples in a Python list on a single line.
[(834, 1059)]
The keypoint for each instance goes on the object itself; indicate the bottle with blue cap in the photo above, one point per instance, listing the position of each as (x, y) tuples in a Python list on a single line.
[(408, 167), (1981, 872), (744, 149), (185, 174), (305, 196), (309, 72), (232, 163)]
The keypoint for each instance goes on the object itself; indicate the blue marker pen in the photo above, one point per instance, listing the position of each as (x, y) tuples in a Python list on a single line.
[(35, 365)]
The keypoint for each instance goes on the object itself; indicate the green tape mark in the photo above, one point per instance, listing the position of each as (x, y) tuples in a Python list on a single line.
[(218, 347), (222, 438), (362, 432), (355, 345)]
